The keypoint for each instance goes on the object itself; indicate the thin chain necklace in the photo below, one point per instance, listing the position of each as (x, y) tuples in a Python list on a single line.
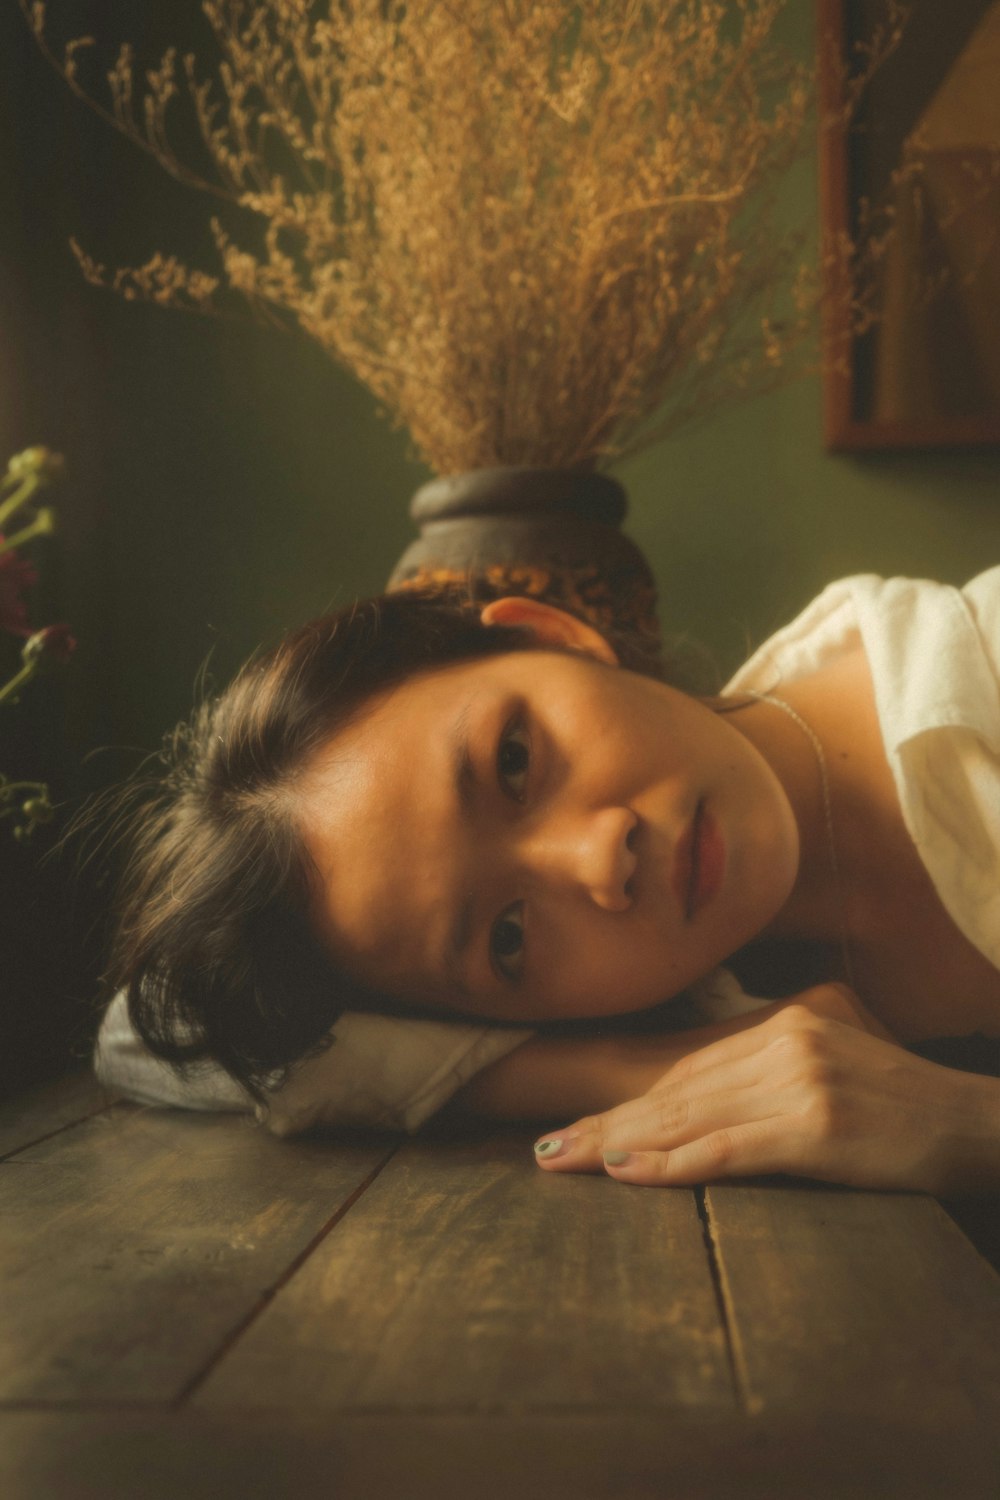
[(828, 811)]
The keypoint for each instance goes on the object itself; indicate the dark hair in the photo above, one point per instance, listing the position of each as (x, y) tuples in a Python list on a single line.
[(213, 945)]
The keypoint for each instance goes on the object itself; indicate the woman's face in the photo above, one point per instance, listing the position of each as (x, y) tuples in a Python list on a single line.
[(542, 835)]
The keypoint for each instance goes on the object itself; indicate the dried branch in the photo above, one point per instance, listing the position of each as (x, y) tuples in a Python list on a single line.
[(539, 231)]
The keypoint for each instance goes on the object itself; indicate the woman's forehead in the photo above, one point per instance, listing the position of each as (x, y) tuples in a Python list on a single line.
[(381, 734), (380, 815)]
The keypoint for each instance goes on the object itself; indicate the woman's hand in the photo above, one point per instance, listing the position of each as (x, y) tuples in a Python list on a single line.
[(815, 1089)]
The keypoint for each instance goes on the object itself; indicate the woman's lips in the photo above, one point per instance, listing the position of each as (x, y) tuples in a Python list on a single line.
[(700, 862), (684, 864)]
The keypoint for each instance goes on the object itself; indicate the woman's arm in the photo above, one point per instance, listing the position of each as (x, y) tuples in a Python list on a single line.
[(805, 1093)]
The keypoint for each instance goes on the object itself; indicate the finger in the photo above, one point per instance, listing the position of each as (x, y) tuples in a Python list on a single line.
[(637, 1108), (663, 1120), (736, 1061), (757, 1148), (579, 1153)]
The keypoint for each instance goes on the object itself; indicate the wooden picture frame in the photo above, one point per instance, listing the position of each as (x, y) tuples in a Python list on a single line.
[(928, 373)]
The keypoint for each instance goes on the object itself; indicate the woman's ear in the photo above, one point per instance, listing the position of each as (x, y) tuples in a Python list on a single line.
[(550, 626)]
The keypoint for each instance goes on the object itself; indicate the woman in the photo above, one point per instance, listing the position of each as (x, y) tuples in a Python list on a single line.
[(412, 812)]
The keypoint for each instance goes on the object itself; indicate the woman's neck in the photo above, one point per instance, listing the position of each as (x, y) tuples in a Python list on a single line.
[(905, 956), (805, 739)]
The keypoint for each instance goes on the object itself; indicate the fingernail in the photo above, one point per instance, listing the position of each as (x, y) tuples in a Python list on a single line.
[(616, 1158), (549, 1147)]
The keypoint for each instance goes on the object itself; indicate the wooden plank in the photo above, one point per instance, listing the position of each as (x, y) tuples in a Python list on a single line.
[(40, 1111), (466, 1279), (135, 1244), (602, 1455), (856, 1302)]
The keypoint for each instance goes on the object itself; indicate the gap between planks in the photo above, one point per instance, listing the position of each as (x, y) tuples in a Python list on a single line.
[(47, 1099), (737, 1373), (198, 1379)]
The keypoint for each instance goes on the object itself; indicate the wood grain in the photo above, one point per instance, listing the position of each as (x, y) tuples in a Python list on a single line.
[(50, 1107), (466, 1279), (136, 1243), (857, 1302)]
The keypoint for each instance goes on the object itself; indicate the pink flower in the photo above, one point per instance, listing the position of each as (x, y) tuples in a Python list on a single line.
[(52, 646), (16, 575)]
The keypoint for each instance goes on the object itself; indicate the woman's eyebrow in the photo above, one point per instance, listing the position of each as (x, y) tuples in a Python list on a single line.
[(464, 781), (463, 770)]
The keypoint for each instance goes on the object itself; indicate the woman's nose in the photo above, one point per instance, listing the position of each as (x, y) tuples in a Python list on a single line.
[(591, 851)]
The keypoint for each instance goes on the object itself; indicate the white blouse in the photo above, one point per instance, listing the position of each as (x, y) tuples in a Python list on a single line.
[(934, 653)]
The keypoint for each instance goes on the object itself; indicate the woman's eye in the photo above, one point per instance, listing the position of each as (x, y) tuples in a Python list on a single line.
[(507, 943), (514, 760)]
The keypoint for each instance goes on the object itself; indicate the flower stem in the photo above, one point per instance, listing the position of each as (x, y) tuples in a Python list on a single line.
[(42, 525), (8, 787), (9, 689), (13, 502)]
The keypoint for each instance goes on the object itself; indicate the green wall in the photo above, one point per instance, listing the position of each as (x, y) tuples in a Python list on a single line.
[(747, 519)]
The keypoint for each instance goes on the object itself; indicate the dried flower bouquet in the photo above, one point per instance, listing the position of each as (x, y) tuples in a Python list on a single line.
[(27, 474), (539, 232)]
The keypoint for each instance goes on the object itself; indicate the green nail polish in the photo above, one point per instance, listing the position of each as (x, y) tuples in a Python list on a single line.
[(548, 1148), (616, 1158)]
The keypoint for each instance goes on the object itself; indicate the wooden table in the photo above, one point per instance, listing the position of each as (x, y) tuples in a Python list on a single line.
[(193, 1308)]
